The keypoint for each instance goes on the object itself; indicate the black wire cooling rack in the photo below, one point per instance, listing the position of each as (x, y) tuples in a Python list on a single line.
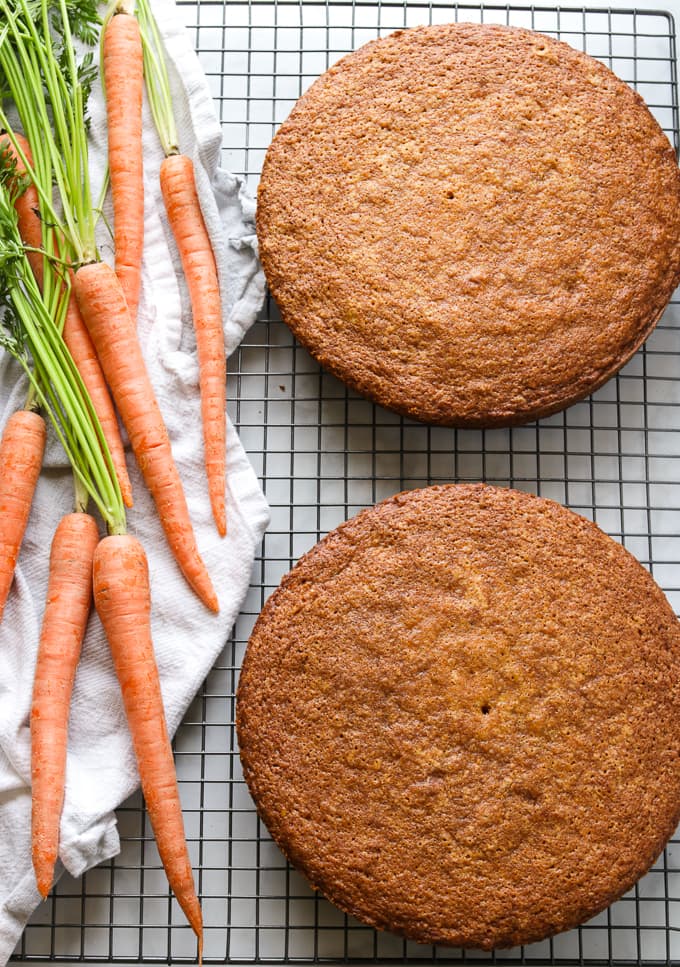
[(323, 454)]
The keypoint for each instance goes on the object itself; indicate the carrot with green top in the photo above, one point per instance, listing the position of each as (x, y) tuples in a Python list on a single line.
[(123, 84), (178, 187), (23, 439)]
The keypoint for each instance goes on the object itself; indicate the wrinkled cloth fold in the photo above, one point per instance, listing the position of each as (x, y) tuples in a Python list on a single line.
[(101, 770)]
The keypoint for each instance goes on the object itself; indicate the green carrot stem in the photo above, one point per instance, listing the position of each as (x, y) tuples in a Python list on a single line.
[(157, 79), (31, 399), (81, 497)]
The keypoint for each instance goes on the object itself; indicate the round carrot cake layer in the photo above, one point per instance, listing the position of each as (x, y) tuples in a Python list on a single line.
[(472, 225), (459, 717)]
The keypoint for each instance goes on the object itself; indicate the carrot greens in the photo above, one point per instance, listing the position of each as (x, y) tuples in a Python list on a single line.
[(157, 80)]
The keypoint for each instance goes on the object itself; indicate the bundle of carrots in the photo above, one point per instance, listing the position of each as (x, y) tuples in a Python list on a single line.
[(69, 322)]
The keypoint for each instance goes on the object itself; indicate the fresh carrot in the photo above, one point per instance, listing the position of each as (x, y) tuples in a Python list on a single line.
[(178, 185), (75, 334), (21, 453), (123, 602), (123, 82), (107, 318), (69, 593)]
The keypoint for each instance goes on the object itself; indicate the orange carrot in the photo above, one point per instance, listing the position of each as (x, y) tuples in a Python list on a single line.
[(21, 453), (75, 334), (79, 344), (123, 602), (69, 593), (103, 308), (123, 77), (178, 185)]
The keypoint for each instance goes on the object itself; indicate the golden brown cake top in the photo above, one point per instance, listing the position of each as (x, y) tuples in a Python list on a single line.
[(459, 717), (470, 224)]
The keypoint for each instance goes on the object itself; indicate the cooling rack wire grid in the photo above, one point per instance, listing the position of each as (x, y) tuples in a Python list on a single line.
[(323, 454)]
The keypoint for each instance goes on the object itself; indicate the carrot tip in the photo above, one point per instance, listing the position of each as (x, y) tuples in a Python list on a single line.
[(219, 513), (44, 883)]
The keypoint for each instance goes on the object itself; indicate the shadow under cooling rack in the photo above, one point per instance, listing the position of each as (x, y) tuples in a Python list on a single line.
[(323, 454)]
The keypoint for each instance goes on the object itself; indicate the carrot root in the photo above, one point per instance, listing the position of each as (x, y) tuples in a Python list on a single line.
[(178, 185), (123, 77), (105, 313), (21, 453), (69, 594), (123, 602)]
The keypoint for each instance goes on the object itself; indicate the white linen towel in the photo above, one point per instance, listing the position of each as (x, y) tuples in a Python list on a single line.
[(101, 770)]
